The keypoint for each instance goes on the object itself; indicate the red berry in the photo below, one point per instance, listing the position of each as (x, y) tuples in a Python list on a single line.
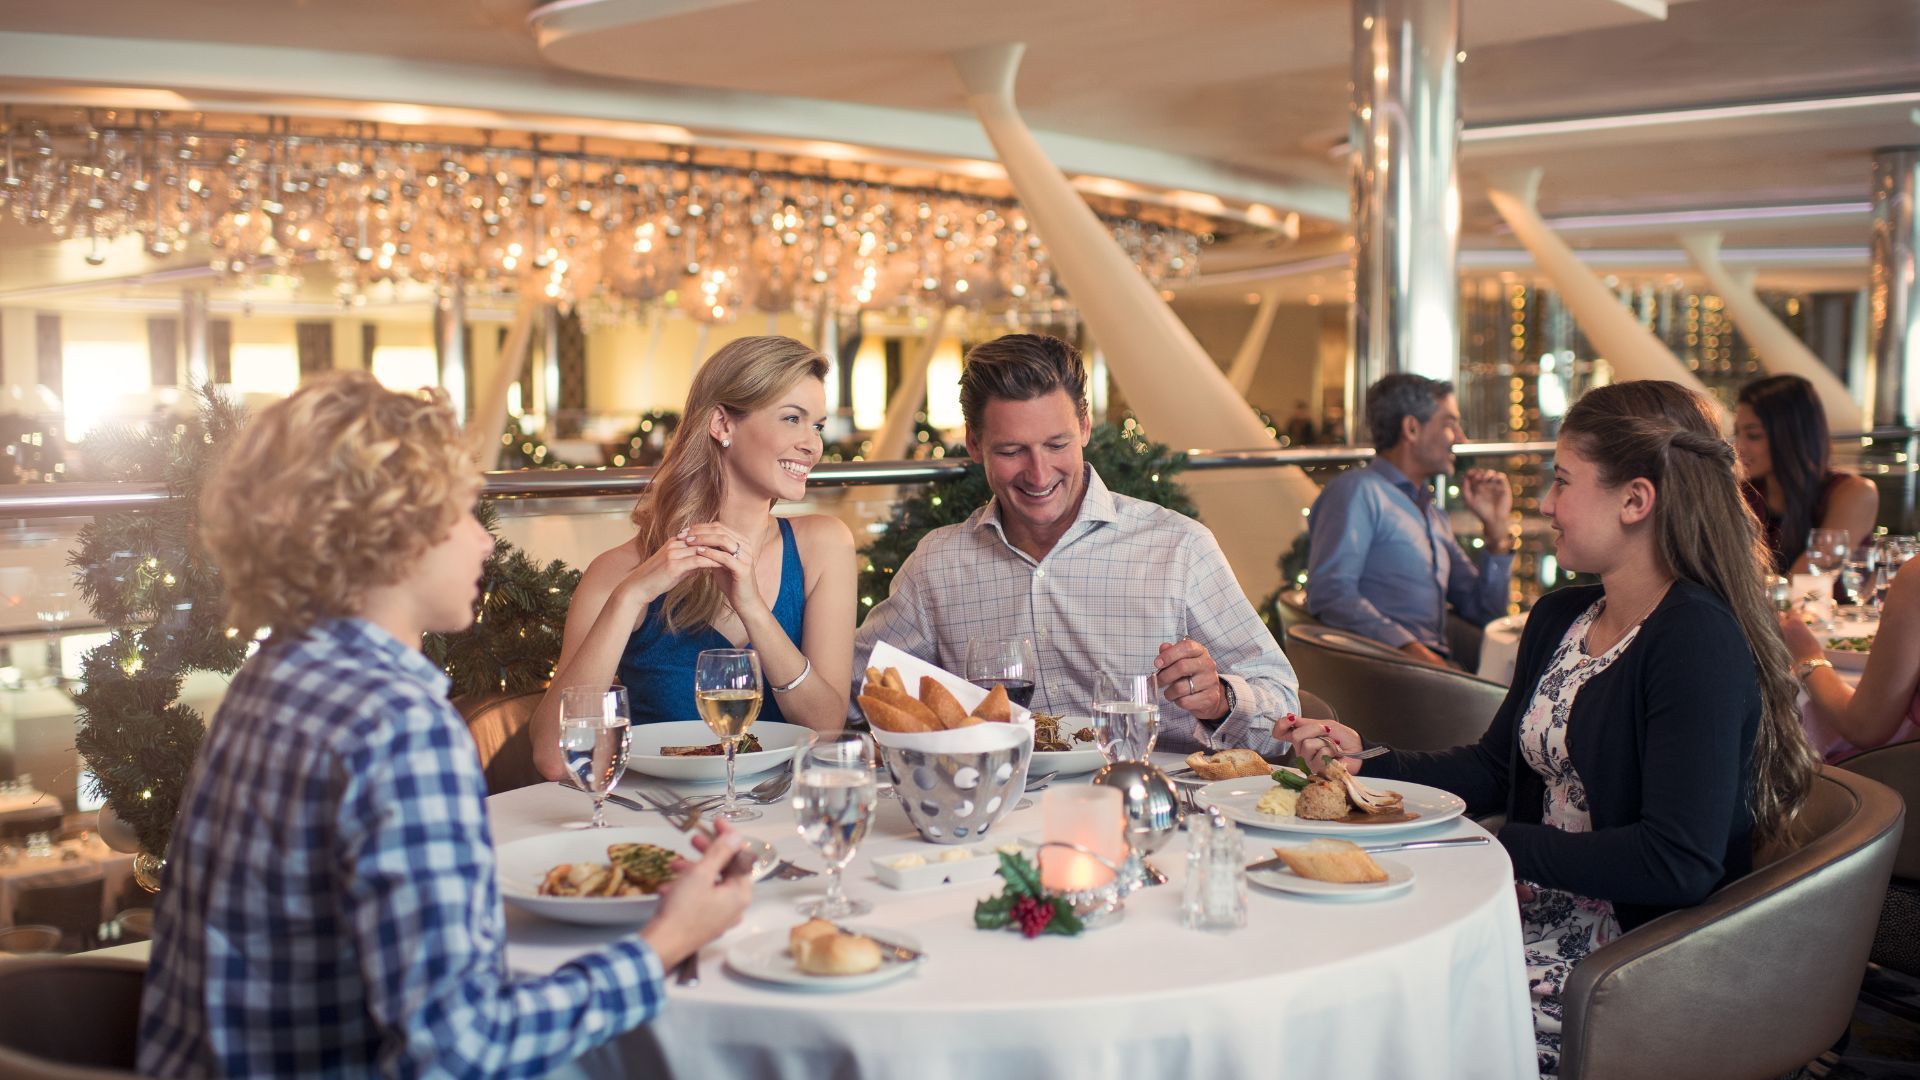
[(1032, 915)]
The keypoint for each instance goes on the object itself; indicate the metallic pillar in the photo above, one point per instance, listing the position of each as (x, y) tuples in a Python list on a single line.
[(1404, 131), (450, 325), (193, 337), (1893, 292)]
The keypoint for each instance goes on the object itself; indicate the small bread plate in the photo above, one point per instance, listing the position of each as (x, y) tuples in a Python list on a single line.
[(1084, 758), (764, 958), (523, 864), (1281, 879), (1425, 805), (643, 754)]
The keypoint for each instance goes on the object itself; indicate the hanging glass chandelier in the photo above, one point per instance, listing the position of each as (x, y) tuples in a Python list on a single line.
[(718, 233)]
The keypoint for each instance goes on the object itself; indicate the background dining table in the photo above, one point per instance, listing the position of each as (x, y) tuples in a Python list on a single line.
[(71, 860), (1426, 983)]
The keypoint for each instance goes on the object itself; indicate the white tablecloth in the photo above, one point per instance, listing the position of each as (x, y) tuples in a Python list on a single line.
[(71, 861), (1427, 984)]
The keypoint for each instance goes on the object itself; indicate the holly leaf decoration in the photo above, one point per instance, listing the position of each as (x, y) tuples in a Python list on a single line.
[(1021, 876), (994, 913), (1024, 905), (1064, 921)]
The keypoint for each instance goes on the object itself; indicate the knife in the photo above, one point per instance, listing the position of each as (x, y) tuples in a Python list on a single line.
[(892, 950), (1380, 849)]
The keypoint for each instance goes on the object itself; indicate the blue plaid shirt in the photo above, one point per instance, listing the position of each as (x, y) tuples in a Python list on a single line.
[(330, 908)]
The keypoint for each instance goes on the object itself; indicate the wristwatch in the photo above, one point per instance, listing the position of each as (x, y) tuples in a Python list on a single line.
[(1226, 689), (1805, 667)]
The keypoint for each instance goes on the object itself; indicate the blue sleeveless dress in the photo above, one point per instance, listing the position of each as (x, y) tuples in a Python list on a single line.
[(657, 666)]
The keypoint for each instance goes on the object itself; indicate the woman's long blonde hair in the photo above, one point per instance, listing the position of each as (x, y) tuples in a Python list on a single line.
[(744, 376), (1705, 533)]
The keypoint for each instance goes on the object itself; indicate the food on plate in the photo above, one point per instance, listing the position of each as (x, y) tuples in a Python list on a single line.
[(942, 702), (631, 870), (1228, 765), (1327, 859), (889, 707), (1334, 793), (820, 948), (1279, 801), (1851, 644), (748, 745), (908, 862)]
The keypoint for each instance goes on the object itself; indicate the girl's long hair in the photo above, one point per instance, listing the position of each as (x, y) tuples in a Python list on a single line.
[(1705, 533), (1797, 444), (745, 375)]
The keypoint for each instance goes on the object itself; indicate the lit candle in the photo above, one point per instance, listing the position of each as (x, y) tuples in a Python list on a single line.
[(1090, 817)]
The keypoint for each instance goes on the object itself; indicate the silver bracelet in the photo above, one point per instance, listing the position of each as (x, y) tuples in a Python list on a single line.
[(797, 679)]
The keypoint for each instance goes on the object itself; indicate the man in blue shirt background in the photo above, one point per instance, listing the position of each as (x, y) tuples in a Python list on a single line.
[(1383, 562)]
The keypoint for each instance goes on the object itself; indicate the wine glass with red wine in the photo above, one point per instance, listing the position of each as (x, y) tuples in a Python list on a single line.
[(1007, 662)]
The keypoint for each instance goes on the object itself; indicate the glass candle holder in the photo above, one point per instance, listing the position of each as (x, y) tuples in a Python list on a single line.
[(1087, 818)]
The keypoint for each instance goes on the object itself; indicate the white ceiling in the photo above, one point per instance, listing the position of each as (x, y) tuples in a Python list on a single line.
[(1243, 98)]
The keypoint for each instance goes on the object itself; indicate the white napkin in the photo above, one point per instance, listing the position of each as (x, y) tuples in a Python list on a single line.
[(972, 739)]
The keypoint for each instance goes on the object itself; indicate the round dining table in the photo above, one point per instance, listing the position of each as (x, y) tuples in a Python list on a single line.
[(1427, 983)]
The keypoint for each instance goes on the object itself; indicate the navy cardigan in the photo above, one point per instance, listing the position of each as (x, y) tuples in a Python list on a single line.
[(1662, 739)]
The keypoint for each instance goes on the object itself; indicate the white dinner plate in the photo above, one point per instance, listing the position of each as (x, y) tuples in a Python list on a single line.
[(1281, 879), (1083, 758), (764, 958), (1237, 798), (643, 754), (523, 864), (1847, 659)]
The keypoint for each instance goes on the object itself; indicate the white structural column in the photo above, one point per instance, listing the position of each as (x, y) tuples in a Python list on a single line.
[(451, 322), (1781, 351), (1893, 292), (490, 412), (894, 440), (1176, 390), (193, 337), (1254, 345), (1404, 129), (1630, 348)]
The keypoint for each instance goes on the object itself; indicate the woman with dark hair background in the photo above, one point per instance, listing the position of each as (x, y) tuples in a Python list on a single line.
[(1780, 433)]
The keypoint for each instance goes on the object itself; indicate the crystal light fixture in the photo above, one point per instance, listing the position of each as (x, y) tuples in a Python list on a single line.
[(719, 233)]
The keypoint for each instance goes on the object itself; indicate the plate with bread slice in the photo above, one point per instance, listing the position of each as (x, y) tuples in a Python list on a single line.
[(820, 956), (1332, 804), (1332, 870), (686, 750)]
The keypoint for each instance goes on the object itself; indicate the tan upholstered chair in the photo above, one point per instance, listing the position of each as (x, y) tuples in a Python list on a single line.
[(1389, 698), (499, 726), (1897, 943), (1762, 977), (1463, 638), (1293, 611), (69, 1017)]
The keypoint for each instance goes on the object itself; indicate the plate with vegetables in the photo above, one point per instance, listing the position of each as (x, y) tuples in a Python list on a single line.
[(1850, 653), (1270, 803)]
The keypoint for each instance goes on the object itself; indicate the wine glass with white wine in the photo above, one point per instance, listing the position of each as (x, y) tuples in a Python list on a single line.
[(833, 802), (595, 734), (726, 690)]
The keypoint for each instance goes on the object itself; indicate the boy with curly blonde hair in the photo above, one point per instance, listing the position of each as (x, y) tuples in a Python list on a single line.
[(330, 906)]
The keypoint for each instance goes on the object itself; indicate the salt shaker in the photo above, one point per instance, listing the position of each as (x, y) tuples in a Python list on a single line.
[(1215, 895)]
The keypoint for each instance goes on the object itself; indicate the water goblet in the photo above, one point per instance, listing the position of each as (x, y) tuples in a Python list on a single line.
[(1126, 718), (833, 805), (595, 734), (727, 691)]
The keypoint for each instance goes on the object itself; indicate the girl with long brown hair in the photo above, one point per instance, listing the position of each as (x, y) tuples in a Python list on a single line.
[(711, 566), (1650, 738)]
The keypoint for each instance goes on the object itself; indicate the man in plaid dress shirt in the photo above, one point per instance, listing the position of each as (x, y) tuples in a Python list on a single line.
[(1098, 581), (329, 906)]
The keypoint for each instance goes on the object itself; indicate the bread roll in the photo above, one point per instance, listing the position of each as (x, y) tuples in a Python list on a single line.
[(1228, 765), (885, 716), (1327, 859), (908, 704), (942, 702), (997, 707), (808, 931), (835, 953)]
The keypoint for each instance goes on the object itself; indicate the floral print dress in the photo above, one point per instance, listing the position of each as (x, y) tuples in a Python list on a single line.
[(1560, 928)]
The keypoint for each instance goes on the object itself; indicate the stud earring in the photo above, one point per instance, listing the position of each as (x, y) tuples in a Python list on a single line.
[(726, 442)]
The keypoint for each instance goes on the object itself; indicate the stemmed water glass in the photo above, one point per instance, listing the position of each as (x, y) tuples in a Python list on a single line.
[(833, 803), (1827, 551), (727, 691), (595, 733), (1126, 718), (1006, 662)]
